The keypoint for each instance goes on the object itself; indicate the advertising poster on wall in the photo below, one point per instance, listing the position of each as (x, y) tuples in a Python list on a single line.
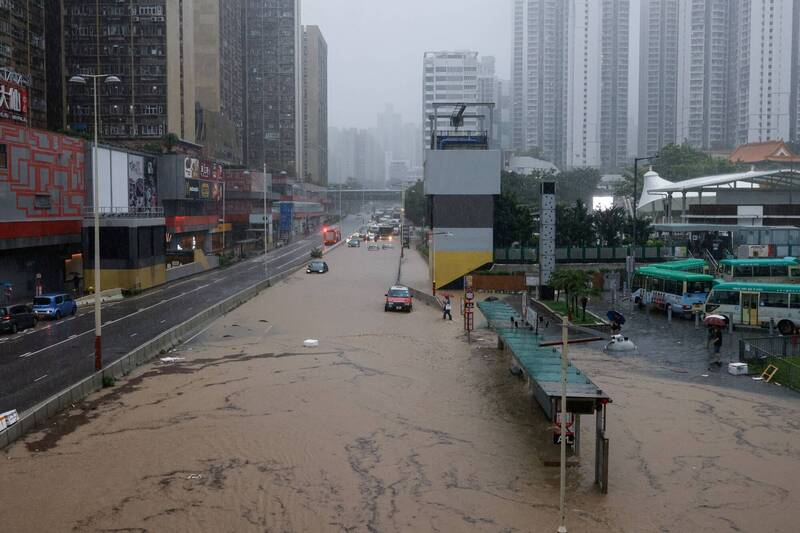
[(287, 215), (13, 102), (141, 182)]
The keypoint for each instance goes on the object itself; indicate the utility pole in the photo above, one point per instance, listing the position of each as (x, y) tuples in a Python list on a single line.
[(562, 528)]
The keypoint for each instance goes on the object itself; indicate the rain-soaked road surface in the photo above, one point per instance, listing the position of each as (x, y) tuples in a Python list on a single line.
[(393, 423)]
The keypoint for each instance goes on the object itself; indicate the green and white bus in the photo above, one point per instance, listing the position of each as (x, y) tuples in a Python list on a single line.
[(684, 292), (755, 304), (761, 270), (684, 265)]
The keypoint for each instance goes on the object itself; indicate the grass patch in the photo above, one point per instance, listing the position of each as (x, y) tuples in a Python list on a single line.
[(788, 373), (560, 307)]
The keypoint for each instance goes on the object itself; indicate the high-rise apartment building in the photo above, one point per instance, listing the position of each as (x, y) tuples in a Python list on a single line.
[(315, 106), (448, 76), (219, 78), (583, 94), (763, 71), (149, 45), (22, 54), (570, 78), (614, 72), (795, 103), (703, 72), (273, 85), (658, 75), (539, 76)]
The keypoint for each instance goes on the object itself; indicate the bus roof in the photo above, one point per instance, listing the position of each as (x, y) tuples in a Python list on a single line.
[(677, 275), (681, 264), (760, 261), (757, 287)]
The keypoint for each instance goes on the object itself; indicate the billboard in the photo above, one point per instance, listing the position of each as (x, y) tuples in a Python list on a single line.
[(203, 190), (142, 192), (287, 215), (13, 102)]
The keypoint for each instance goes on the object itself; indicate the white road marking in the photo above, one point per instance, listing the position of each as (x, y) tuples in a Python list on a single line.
[(163, 321), (294, 251), (134, 334), (40, 378), (72, 336)]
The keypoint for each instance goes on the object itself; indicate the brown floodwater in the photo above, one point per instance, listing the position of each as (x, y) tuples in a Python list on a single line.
[(393, 423)]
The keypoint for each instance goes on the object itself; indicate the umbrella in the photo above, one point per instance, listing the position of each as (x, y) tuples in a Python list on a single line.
[(715, 320), (615, 316)]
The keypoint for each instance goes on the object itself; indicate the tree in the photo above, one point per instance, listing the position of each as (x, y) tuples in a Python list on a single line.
[(574, 223), (609, 224), (574, 283), (643, 229), (513, 222), (577, 184), (525, 188), (415, 204), (169, 141)]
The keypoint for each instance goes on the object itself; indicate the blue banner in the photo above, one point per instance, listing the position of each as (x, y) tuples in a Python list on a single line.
[(287, 214)]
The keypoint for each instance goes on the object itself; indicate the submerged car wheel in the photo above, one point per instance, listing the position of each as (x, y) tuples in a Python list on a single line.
[(14, 329), (58, 315)]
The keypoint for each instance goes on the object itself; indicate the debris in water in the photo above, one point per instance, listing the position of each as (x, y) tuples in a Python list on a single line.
[(194, 476), (311, 343), (172, 359), (704, 375)]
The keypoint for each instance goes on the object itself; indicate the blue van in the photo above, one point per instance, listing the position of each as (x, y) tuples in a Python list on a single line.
[(54, 305)]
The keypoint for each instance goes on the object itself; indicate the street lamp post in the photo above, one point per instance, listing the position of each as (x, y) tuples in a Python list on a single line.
[(98, 344)]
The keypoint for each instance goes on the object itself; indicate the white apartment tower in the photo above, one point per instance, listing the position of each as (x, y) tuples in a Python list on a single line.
[(735, 71), (448, 76), (539, 77), (658, 75), (764, 69), (570, 78), (703, 72)]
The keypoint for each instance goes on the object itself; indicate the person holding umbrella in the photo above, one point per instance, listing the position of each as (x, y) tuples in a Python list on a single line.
[(715, 323)]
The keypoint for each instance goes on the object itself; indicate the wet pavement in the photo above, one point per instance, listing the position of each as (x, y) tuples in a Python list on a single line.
[(393, 423)]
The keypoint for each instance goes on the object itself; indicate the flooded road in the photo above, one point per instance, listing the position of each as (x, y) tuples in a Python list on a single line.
[(393, 423)]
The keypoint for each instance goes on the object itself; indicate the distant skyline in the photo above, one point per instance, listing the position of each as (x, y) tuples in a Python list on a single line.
[(375, 49)]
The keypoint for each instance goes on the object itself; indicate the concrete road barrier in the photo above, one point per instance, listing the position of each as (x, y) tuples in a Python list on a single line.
[(108, 295), (36, 416)]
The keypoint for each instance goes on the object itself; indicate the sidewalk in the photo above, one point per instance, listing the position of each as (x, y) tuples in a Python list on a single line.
[(414, 271)]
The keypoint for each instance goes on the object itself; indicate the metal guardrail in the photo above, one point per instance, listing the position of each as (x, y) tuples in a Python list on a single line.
[(762, 348), (125, 212), (584, 254)]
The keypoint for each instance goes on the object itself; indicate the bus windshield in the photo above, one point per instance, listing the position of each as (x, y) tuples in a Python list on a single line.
[(697, 287)]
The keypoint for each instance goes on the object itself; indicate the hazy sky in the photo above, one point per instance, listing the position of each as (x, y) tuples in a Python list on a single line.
[(375, 49)]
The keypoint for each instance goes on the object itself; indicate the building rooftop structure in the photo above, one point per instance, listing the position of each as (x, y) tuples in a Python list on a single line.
[(763, 152)]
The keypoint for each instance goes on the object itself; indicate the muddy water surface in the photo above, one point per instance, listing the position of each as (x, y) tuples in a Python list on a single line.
[(393, 423)]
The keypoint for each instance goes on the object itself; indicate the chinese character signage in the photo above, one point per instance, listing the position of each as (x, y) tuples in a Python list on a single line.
[(198, 175), (13, 102)]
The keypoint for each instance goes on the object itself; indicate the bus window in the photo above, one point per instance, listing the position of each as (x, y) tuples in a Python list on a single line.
[(781, 271), (694, 287), (774, 299), (761, 271), (794, 272), (795, 301), (741, 271), (724, 297), (637, 282), (671, 286)]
